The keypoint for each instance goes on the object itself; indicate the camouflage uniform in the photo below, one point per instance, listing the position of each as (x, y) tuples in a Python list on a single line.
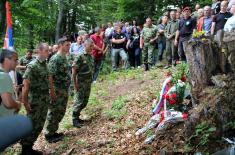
[(37, 73), (84, 64), (147, 34), (59, 69), (24, 61), (171, 49)]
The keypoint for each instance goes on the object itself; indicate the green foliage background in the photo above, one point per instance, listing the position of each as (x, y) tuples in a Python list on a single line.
[(35, 20)]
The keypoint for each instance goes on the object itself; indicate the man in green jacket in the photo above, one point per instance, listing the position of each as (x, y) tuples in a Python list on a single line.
[(170, 31)]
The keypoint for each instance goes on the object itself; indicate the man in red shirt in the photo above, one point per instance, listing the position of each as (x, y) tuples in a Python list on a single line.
[(98, 51)]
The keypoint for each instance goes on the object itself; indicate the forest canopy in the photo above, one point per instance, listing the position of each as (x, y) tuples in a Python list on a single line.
[(46, 20)]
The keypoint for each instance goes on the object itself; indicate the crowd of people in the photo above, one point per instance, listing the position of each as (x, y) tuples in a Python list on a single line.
[(43, 81)]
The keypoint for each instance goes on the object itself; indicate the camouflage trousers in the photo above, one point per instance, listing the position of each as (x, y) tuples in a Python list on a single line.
[(56, 111), (37, 115), (81, 97), (147, 54)]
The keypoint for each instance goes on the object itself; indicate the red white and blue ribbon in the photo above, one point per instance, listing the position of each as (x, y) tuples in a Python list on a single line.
[(165, 88)]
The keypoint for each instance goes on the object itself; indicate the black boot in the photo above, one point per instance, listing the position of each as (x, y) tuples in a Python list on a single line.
[(81, 121), (77, 123), (54, 138), (28, 150), (146, 67)]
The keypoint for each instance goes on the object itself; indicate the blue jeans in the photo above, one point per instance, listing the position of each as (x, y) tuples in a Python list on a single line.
[(161, 48), (12, 129)]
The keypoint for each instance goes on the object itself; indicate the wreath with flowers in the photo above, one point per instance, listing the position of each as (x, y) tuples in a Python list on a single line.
[(177, 85)]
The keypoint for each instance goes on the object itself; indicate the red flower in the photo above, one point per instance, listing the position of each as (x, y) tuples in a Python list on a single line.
[(172, 102), (173, 95), (167, 97)]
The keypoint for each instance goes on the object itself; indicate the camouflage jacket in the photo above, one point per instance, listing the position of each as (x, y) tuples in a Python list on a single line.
[(171, 28), (37, 73), (84, 64), (149, 33), (59, 69), (24, 61)]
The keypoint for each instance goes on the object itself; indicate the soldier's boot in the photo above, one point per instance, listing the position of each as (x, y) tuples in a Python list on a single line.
[(28, 150), (54, 138), (81, 121), (146, 67), (77, 123)]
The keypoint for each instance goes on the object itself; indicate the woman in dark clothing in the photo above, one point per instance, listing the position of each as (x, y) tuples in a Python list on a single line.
[(133, 44)]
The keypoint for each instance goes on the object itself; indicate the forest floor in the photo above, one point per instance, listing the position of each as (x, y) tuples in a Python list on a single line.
[(120, 104)]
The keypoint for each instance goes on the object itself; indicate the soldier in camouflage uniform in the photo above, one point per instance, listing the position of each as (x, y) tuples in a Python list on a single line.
[(59, 70), (36, 96), (25, 60), (147, 42), (82, 72)]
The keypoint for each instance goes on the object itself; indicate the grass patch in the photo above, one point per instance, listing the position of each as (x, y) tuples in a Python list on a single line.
[(130, 124), (119, 103), (117, 110), (68, 125), (81, 142), (114, 115), (117, 126), (63, 146)]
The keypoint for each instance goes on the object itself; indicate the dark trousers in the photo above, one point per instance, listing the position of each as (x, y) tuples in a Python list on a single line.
[(161, 48), (171, 51), (134, 57), (98, 64), (183, 41)]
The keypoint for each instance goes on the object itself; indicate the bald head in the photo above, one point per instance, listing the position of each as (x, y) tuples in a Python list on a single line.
[(88, 45), (207, 11)]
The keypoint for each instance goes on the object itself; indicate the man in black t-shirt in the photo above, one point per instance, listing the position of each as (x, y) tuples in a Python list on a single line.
[(118, 44), (185, 30), (219, 21)]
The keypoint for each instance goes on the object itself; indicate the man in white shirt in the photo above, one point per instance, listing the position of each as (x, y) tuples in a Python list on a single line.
[(230, 24), (109, 30), (77, 47)]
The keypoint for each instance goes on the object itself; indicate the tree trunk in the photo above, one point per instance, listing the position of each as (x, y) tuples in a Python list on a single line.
[(64, 24), (30, 30), (203, 60), (2, 17), (73, 21), (59, 20)]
